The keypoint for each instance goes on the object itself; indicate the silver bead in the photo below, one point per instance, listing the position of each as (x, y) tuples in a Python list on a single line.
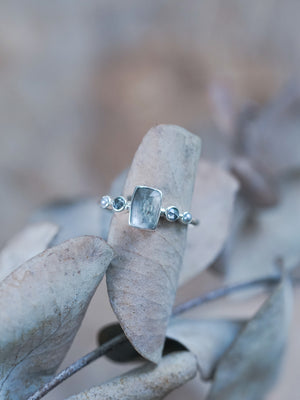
[(186, 218), (105, 201)]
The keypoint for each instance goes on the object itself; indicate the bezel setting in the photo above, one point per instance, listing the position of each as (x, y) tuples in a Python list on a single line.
[(145, 208), (119, 204)]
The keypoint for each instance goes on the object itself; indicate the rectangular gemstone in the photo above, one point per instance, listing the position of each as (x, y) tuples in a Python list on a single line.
[(145, 207)]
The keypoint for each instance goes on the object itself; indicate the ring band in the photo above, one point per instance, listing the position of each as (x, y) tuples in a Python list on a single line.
[(145, 208)]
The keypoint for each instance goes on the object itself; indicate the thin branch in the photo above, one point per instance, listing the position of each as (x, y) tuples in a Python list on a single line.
[(109, 345), (77, 366), (224, 291)]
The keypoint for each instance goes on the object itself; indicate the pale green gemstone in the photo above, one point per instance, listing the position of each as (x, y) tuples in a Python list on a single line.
[(145, 208)]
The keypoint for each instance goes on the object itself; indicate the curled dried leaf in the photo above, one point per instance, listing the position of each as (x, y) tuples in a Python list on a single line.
[(250, 366), (148, 382), (32, 240), (142, 280), (42, 304), (74, 217), (267, 236), (206, 339), (257, 187), (272, 141), (213, 201)]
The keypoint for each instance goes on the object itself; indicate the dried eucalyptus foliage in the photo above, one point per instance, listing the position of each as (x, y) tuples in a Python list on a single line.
[(148, 382), (241, 358), (46, 285), (42, 304)]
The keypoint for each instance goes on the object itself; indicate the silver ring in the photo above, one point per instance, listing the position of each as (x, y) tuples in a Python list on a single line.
[(145, 208)]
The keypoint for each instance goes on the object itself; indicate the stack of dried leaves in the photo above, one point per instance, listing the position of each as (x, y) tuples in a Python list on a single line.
[(49, 271)]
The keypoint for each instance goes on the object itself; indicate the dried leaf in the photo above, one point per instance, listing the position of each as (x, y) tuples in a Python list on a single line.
[(148, 382), (269, 235), (74, 217), (250, 366), (32, 240), (206, 339), (125, 352), (42, 304), (257, 188), (273, 139), (213, 201), (142, 280)]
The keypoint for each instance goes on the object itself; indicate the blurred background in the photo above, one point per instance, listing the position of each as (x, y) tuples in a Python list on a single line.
[(81, 82)]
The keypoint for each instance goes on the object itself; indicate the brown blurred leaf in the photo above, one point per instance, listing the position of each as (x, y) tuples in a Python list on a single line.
[(32, 240), (206, 339), (148, 382), (42, 304), (266, 236), (142, 280), (250, 366), (272, 141), (257, 188), (212, 203)]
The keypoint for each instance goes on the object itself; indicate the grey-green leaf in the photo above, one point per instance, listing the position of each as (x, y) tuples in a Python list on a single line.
[(149, 382), (250, 366), (142, 280), (42, 304), (32, 240)]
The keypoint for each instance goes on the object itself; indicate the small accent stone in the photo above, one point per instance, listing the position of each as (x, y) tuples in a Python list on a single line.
[(186, 217), (119, 203), (105, 201), (172, 214)]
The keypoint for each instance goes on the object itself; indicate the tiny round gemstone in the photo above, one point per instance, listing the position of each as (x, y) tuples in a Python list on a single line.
[(172, 214), (186, 217), (105, 201), (119, 203)]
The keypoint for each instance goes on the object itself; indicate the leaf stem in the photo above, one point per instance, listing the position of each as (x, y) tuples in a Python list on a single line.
[(224, 291), (77, 366), (181, 308)]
